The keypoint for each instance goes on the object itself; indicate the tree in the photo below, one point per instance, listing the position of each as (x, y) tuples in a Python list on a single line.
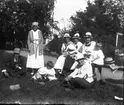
[(16, 17), (103, 17)]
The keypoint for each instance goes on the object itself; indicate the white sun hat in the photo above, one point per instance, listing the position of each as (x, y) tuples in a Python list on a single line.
[(35, 23), (76, 36), (79, 56), (88, 34), (109, 60), (66, 35)]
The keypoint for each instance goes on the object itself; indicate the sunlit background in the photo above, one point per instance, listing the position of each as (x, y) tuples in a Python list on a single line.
[(64, 9)]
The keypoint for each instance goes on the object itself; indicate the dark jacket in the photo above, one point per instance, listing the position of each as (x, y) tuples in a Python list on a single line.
[(15, 68)]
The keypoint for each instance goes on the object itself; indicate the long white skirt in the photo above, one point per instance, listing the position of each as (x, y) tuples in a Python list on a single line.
[(35, 62), (60, 62)]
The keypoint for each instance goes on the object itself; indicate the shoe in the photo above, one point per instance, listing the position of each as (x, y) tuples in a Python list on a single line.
[(42, 83), (5, 74), (101, 82)]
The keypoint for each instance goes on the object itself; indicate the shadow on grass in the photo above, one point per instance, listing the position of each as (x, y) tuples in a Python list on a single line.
[(52, 92)]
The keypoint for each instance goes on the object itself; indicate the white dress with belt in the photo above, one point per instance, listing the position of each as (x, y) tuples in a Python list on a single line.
[(35, 60)]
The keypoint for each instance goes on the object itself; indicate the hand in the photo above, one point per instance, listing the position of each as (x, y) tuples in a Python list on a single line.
[(68, 78), (65, 53)]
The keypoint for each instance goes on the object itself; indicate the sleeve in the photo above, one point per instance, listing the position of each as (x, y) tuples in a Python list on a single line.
[(79, 45), (72, 49), (86, 71), (41, 37), (29, 40), (42, 71), (73, 74), (51, 72), (62, 48), (101, 54)]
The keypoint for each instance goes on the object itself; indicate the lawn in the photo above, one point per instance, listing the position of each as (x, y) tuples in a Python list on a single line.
[(52, 92)]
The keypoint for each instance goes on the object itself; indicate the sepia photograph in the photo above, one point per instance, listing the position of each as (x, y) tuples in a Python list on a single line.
[(68, 52)]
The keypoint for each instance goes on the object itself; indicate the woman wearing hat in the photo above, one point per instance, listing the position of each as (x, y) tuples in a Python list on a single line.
[(87, 48), (76, 42), (35, 59), (66, 50), (88, 44)]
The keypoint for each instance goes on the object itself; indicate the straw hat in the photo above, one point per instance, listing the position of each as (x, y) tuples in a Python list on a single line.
[(67, 35), (35, 24), (76, 36), (79, 57), (88, 35), (17, 51), (109, 60)]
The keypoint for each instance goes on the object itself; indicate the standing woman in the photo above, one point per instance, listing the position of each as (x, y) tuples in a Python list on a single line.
[(35, 58)]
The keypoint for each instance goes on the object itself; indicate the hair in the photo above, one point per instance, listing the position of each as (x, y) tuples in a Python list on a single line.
[(50, 64), (98, 46)]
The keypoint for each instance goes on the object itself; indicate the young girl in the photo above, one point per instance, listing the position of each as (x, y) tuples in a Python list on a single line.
[(97, 58)]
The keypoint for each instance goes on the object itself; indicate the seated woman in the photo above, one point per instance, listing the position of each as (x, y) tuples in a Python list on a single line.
[(69, 61), (45, 73), (14, 67), (67, 50), (82, 76), (86, 48)]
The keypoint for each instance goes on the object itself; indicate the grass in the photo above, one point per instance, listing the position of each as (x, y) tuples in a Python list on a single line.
[(53, 93)]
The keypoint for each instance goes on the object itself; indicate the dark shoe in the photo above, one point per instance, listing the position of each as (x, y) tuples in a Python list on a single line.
[(101, 82)]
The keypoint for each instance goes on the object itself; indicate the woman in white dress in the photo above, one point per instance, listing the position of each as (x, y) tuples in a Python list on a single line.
[(35, 59), (86, 49), (67, 49)]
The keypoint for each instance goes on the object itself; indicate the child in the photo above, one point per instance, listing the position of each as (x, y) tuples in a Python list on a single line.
[(46, 73), (97, 59)]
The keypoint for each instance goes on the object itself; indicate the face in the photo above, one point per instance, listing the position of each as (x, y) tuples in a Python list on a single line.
[(75, 40), (35, 28), (88, 39), (81, 62), (48, 67), (67, 39)]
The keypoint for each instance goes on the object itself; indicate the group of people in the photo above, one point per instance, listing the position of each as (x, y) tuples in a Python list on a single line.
[(76, 64)]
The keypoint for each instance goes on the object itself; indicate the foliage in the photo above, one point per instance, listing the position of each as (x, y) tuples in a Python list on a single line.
[(103, 17), (16, 17)]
